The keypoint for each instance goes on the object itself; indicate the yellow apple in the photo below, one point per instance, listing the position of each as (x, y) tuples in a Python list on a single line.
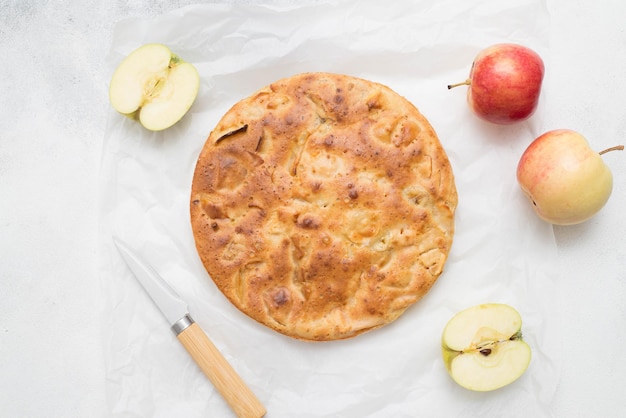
[(483, 349), (566, 181), (154, 86)]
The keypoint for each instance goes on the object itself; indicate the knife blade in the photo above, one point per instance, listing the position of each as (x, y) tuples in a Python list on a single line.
[(212, 363)]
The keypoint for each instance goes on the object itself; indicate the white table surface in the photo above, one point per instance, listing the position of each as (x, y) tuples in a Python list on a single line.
[(53, 106)]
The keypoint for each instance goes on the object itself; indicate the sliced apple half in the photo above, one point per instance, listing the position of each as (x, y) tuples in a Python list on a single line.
[(483, 349), (154, 86)]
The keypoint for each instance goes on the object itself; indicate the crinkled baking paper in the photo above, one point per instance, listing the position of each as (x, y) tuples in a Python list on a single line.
[(501, 253)]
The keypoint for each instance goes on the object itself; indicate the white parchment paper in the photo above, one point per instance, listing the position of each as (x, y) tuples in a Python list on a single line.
[(501, 253)]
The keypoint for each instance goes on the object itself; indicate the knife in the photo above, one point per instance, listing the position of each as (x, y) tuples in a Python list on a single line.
[(212, 363)]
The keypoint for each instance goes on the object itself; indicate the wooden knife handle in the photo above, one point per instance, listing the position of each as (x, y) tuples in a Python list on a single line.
[(225, 379)]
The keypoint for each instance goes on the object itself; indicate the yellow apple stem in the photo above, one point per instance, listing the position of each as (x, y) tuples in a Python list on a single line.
[(615, 148), (465, 83)]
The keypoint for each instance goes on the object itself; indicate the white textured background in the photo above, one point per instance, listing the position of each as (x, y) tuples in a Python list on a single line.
[(53, 106)]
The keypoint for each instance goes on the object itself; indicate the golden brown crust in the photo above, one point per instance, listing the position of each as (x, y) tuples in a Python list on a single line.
[(323, 206)]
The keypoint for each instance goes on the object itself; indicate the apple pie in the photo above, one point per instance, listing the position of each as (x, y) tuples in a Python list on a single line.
[(322, 206)]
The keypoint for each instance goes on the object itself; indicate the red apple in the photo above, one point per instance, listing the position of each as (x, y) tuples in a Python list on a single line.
[(566, 181), (504, 83)]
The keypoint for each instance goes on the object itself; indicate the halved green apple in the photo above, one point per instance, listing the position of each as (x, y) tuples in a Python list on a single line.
[(483, 349), (154, 86)]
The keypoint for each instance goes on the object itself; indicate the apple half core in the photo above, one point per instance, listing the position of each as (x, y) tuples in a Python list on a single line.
[(483, 349), (154, 86)]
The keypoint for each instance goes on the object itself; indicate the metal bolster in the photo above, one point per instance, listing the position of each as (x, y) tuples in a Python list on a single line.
[(182, 324)]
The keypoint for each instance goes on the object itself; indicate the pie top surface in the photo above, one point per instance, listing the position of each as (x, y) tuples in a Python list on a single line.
[(322, 206)]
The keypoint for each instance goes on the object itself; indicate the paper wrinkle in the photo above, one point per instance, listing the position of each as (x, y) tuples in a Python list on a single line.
[(501, 253)]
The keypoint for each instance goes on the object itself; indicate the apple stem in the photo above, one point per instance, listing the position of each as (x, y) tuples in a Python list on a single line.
[(465, 83), (615, 148)]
